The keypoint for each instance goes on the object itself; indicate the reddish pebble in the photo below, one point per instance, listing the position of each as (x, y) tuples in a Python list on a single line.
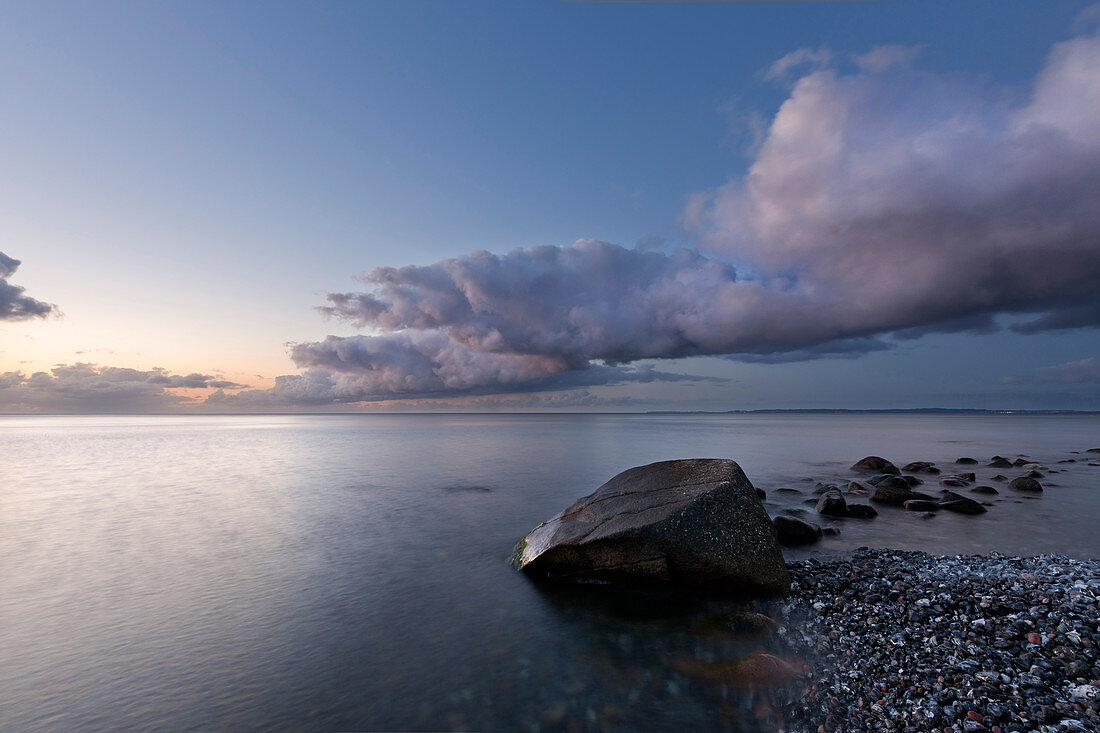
[(974, 715), (1034, 638), (995, 729)]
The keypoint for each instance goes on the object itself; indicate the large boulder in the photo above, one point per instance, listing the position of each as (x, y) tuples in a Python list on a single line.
[(687, 524)]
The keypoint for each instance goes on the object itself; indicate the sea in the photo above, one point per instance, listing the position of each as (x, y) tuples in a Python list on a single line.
[(349, 572)]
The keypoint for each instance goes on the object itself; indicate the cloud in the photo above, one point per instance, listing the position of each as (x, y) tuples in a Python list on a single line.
[(800, 58), (85, 387), (898, 201), (342, 370), (883, 204), (1073, 372), (14, 305)]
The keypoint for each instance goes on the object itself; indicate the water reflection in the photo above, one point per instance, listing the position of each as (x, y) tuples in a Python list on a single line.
[(349, 572)]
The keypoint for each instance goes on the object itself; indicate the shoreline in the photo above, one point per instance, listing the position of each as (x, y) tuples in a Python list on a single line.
[(910, 641)]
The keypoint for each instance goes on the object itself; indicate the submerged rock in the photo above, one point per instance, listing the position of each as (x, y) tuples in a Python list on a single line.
[(966, 461), (686, 524), (917, 466), (999, 462), (738, 623), (757, 670)]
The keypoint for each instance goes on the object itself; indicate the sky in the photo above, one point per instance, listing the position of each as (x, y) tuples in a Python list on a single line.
[(432, 206)]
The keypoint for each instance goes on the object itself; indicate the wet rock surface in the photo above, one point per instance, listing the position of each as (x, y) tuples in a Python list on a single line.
[(909, 641), (684, 524)]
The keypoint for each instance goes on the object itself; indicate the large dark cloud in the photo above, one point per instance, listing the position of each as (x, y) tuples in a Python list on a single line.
[(14, 305), (92, 388), (349, 370), (884, 203)]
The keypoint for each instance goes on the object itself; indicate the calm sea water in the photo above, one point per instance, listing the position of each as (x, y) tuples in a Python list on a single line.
[(348, 572)]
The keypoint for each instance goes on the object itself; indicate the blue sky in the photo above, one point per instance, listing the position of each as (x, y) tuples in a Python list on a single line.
[(187, 182)]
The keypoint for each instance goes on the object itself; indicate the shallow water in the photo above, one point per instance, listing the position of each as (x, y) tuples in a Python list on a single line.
[(339, 572)]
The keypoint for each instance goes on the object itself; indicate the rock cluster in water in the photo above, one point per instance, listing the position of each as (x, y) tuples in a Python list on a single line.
[(891, 486), (908, 641)]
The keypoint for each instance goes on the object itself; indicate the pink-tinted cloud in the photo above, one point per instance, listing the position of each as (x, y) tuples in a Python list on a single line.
[(92, 388)]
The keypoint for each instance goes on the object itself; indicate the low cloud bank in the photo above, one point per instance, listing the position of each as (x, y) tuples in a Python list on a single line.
[(92, 388), (14, 305)]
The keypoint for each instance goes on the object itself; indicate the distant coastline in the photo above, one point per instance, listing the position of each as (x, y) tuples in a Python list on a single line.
[(887, 411)]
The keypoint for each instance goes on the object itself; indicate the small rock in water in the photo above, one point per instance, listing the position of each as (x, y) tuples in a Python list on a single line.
[(832, 504), (984, 490), (876, 464), (1024, 483), (961, 504), (862, 511), (999, 462), (921, 505), (793, 531), (859, 488), (966, 461)]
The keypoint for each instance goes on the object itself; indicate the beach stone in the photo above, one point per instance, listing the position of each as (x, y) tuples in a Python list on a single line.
[(984, 490), (832, 504), (961, 504), (862, 511), (918, 466), (966, 461), (921, 505), (912, 480), (692, 523), (875, 464), (792, 531), (890, 482), (999, 462), (1021, 461), (1024, 483), (1093, 450), (953, 481), (860, 488), (887, 494)]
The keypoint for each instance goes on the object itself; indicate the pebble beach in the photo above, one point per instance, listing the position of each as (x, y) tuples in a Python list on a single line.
[(910, 641)]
